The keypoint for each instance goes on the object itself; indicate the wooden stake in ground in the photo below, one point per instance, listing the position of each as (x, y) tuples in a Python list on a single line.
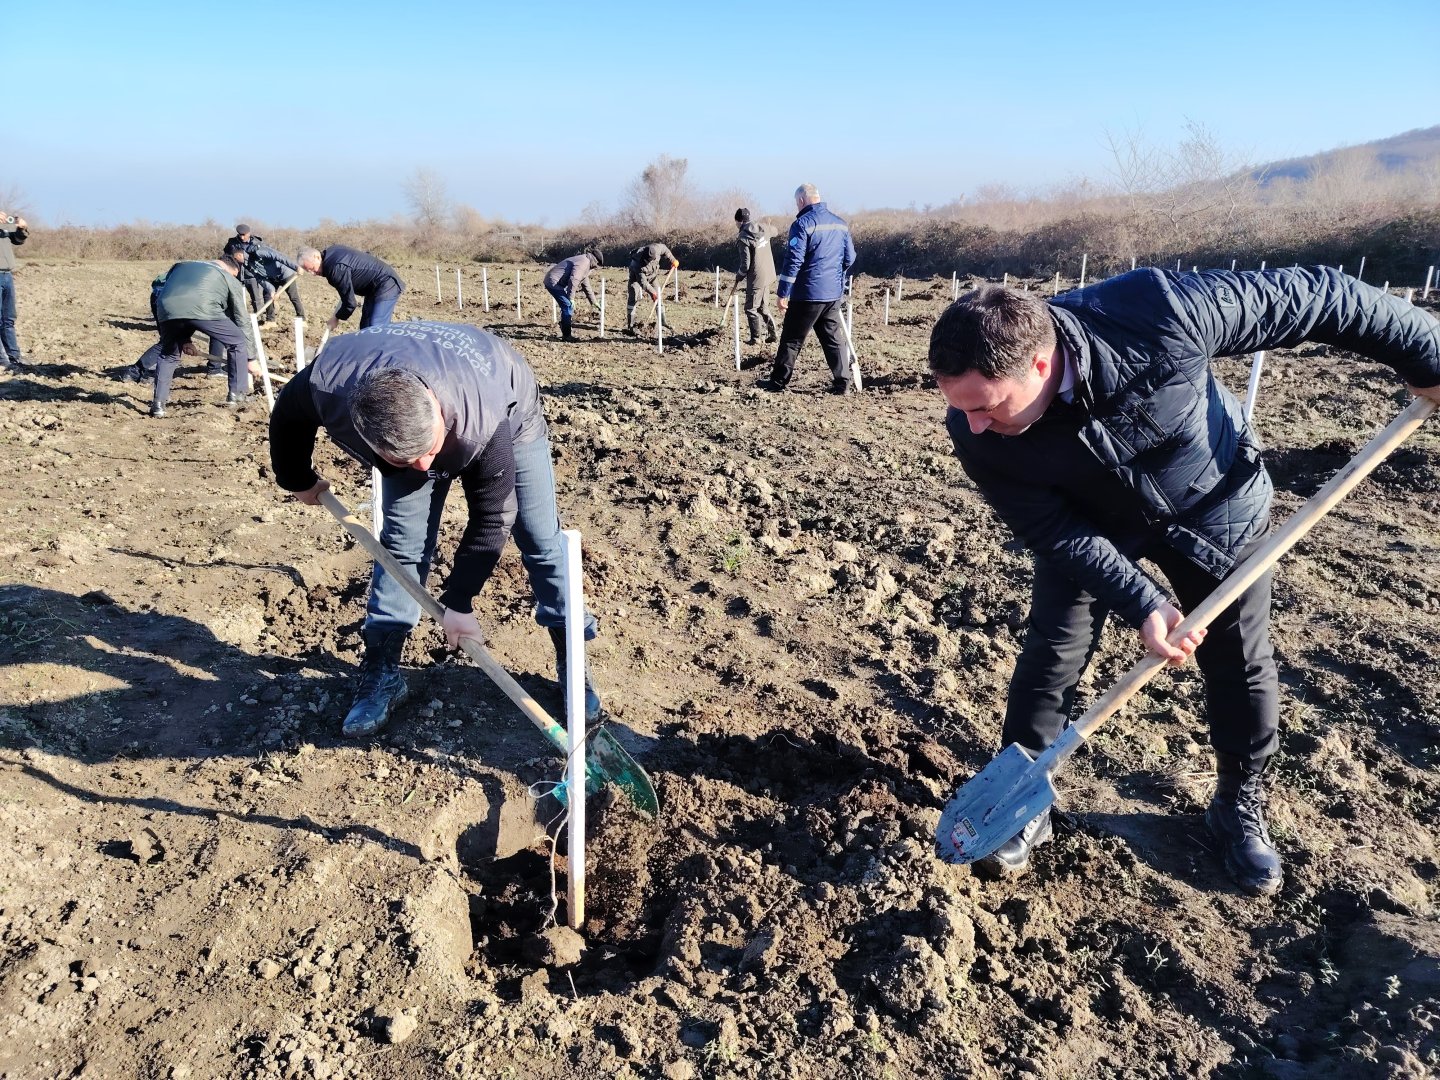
[(575, 723), (263, 362), (1252, 391), (737, 328), (299, 343)]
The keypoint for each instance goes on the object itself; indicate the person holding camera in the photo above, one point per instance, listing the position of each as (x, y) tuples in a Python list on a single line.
[(13, 232)]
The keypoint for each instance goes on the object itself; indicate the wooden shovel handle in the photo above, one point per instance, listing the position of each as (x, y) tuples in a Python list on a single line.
[(432, 607), (1248, 572)]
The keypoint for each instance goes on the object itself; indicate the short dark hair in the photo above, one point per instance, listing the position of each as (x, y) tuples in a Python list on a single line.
[(391, 410), (993, 331)]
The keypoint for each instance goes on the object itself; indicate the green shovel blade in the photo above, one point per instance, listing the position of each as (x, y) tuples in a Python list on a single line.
[(607, 762), (993, 806)]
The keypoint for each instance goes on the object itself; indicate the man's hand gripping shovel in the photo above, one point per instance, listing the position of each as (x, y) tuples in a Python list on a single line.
[(606, 761), (1001, 798)]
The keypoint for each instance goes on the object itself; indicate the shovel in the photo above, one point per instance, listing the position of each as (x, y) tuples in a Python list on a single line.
[(1014, 788), (606, 761)]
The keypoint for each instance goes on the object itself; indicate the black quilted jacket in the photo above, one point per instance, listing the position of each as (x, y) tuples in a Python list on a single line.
[(1151, 411)]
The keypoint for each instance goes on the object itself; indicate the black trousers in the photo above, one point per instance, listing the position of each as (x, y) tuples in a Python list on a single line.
[(800, 317), (1242, 689), (176, 332)]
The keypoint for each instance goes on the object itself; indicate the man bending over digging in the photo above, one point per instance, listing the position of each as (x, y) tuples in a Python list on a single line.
[(427, 403), (1094, 425)]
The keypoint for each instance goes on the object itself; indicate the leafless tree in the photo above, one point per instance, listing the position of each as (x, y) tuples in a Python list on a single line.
[(428, 200), (661, 197)]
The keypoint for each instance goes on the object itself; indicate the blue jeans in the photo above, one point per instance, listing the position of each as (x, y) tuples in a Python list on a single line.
[(567, 305), (380, 305), (412, 503), (9, 346)]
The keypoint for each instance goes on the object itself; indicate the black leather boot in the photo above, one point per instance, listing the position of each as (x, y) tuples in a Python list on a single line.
[(565, 334), (592, 696), (770, 336), (382, 689), (1013, 856), (1236, 817)]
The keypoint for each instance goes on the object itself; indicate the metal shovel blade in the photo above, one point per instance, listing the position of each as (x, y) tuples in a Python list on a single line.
[(606, 761), (993, 806)]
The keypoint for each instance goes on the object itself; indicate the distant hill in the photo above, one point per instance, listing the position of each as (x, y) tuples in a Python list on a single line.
[(1398, 153)]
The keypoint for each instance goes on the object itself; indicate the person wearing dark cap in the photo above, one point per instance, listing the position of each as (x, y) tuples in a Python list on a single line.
[(562, 279), (246, 242), (203, 297), (272, 270), (358, 277), (645, 267), (757, 269)]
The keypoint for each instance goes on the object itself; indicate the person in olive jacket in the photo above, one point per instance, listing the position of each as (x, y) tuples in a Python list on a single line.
[(1095, 427)]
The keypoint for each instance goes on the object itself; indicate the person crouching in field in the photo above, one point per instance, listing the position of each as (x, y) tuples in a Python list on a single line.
[(203, 297), (1094, 426), (427, 404), (359, 278)]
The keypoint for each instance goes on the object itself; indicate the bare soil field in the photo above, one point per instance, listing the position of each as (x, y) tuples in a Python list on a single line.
[(808, 621)]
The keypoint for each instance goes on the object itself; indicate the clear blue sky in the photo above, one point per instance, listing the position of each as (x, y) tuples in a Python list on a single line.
[(287, 113)]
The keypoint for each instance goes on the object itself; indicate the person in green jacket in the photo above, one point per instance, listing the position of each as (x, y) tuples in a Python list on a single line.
[(203, 297)]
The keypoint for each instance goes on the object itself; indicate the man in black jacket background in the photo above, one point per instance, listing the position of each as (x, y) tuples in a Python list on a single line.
[(358, 277), (1094, 426)]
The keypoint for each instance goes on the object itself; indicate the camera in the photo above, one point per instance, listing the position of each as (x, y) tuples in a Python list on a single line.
[(10, 219)]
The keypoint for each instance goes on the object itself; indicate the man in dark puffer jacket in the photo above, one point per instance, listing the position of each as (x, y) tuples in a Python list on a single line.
[(1096, 429)]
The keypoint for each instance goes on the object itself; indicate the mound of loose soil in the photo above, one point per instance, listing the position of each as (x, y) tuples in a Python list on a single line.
[(808, 617)]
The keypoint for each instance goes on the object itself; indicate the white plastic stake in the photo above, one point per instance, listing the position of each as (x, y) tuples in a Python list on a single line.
[(677, 284), (660, 321), (1056, 291), (899, 287), (1341, 268), (854, 359), (1177, 266), (517, 292), (737, 332), (1409, 296), (459, 295), (1360, 274), (1385, 288), (437, 283), (602, 307), (954, 284), (1429, 277), (1253, 390), (554, 312), (485, 286), (1232, 265), (377, 512), (717, 286), (1194, 269), (887, 307), (1132, 262), (1005, 281), (575, 722), (263, 362), (1084, 262), (299, 343), (1262, 266)]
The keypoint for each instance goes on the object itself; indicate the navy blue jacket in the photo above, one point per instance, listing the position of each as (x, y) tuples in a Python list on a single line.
[(355, 274), (267, 264), (819, 256), (1177, 461)]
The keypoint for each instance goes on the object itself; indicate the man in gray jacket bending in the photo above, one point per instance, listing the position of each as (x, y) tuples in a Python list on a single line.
[(1096, 429), (427, 404), (757, 269), (646, 262), (562, 279)]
